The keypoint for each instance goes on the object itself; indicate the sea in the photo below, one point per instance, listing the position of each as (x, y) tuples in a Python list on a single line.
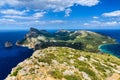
[(113, 49), (10, 57)]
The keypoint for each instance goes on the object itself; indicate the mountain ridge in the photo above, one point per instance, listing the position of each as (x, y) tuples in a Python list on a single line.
[(89, 40)]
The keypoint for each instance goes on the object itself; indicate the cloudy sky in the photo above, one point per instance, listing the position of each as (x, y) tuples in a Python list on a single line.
[(60, 14)]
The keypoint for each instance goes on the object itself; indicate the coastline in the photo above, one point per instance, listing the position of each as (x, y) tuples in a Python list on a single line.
[(108, 52), (24, 68), (105, 45), (27, 46), (31, 59)]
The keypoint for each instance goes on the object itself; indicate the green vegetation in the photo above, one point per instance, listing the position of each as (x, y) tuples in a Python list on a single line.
[(81, 63), (81, 39), (99, 67), (90, 72), (57, 74), (16, 72), (46, 59), (88, 57), (67, 63), (32, 70), (72, 77)]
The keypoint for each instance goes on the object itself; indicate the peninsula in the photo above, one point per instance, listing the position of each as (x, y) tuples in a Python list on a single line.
[(66, 55), (80, 39)]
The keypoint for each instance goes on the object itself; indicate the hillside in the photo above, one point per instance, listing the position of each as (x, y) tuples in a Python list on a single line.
[(63, 63), (81, 39)]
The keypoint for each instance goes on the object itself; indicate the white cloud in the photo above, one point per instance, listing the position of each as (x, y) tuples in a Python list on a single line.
[(112, 23), (16, 17), (112, 14), (56, 21), (87, 2), (12, 12), (9, 2), (55, 5), (49, 22), (85, 24), (101, 23), (7, 21), (39, 14), (95, 17), (32, 22), (96, 22), (67, 12), (39, 22)]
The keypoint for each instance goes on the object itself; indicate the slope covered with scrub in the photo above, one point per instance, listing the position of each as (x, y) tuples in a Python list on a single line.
[(79, 39), (63, 63)]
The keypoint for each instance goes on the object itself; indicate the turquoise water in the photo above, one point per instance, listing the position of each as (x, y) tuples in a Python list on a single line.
[(113, 49)]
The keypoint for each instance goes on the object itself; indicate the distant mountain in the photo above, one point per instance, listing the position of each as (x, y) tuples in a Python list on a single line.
[(86, 40), (62, 63)]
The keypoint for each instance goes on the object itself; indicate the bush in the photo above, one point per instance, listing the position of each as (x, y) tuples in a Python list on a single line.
[(57, 74), (99, 67), (89, 72), (16, 72), (47, 59), (72, 77), (88, 57)]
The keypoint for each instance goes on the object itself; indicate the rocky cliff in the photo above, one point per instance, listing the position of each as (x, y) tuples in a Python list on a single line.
[(63, 63)]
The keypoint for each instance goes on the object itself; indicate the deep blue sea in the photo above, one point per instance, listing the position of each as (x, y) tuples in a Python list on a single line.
[(10, 57)]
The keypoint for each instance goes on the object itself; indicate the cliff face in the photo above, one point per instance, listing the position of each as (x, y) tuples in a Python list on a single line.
[(87, 40), (62, 63)]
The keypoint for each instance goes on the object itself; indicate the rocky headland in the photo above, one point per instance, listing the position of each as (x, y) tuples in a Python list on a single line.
[(63, 63), (66, 55), (81, 39)]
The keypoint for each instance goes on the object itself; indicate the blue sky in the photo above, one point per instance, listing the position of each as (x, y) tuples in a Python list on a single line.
[(60, 14)]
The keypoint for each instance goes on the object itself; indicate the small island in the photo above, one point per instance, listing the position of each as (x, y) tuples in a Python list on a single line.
[(8, 44)]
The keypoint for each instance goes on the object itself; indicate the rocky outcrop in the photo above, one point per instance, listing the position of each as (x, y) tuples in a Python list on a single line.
[(8, 44), (34, 33), (62, 63)]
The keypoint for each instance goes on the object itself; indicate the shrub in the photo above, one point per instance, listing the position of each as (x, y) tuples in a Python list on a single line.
[(88, 57), (89, 72), (16, 72), (72, 77), (47, 59), (57, 74)]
